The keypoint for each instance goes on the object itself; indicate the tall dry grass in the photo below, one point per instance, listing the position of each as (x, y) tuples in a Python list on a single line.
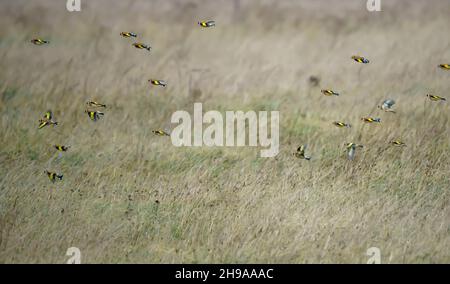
[(224, 204)]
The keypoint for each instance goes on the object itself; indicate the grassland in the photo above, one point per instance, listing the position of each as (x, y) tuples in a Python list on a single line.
[(129, 196)]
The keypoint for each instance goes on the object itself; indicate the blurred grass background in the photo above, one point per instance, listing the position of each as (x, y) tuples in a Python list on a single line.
[(130, 197)]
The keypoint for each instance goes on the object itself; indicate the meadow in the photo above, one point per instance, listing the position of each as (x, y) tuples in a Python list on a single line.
[(129, 196)]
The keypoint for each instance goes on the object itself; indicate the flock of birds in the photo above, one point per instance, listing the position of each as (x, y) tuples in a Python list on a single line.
[(94, 113)]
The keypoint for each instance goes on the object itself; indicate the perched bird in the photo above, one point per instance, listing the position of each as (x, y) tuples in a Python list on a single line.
[(351, 149), (128, 34), (160, 132), (47, 120), (158, 82), (207, 24), (397, 143), (62, 148), (360, 59), (53, 176), (341, 124), (445, 66), (370, 119), (94, 115), (39, 41), (329, 93), (436, 98), (95, 104), (141, 46), (300, 153), (387, 106)]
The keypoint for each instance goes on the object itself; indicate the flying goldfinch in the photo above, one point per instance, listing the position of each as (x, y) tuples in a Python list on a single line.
[(436, 98), (329, 93), (397, 143), (94, 115), (95, 104), (141, 46), (47, 120), (351, 150), (62, 148), (158, 82), (360, 59), (444, 66), (387, 106), (341, 124), (207, 24), (160, 132), (371, 119), (53, 176), (128, 34), (39, 41), (300, 153)]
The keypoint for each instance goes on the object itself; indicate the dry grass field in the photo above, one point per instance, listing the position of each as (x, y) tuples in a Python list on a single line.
[(129, 196)]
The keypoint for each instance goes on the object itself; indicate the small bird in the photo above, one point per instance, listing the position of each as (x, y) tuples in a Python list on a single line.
[(207, 24), (95, 104), (397, 143), (39, 41), (445, 66), (158, 82), (329, 93), (160, 132), (351, 148), (62, 148), (141, 46), (370, 119), (360, 59), (47, 120), (387, 105), (53, 176), (94, 115), (128, 34), (341, 124), (436, 98), (300, 153)]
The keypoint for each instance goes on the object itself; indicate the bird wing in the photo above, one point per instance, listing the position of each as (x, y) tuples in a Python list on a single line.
[(48, 115)]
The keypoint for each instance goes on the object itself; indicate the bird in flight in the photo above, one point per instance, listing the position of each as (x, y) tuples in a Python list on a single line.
[(387, 105), (158, 82), (128, 34), (300, 153), (436, 98), (341, 124), (53, 176), (360, 59), (329, 93), (351, 150), (207, 24), (141, 46), (39, 41)]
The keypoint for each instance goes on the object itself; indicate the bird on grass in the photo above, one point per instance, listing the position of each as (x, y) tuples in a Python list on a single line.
[(53, 176), (160, 132), (158, 82), (329, 93), (94, 115), (371, 119), (39, 41), (207, 24), (444, 66), (436, 98), (95, 104), (300, 153), (47, 120), (341, 124), (387, 106), (397, 143), (62, 148), (351, 150), (360, 59), (141, 46), (128, 34)]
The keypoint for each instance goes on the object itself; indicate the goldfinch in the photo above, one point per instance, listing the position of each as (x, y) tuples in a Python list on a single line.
[(141, 46), (387, 106), (47, 120), (397, 143), (94, 115), (360, 59), (207, 24), (341, 124), (371, 119), (351, 150), (128, 34), (444, 66), (300, 153), (158, 82), (62, 148), (39, 41), (53, 176), (436, 98), (329, 93), (160, 132), (95, 104)]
